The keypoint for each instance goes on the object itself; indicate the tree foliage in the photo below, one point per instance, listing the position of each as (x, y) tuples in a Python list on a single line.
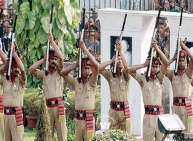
[(32, 27)]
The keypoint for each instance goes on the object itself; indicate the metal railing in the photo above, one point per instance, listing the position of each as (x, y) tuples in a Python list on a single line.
[(119, 4)]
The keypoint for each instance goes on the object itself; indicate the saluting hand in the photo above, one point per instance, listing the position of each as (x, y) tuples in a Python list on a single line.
[(82, 46), (154, 44), (7, 63), (77, 63), (147, 61), (181, 43), (113, 59), (50, 36), (44, 59), (175, 56), (118, 45)]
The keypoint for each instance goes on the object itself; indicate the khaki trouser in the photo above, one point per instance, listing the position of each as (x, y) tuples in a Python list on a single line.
[(181, 112), (81, 131), (117, 120), (2, 134), (60, 126), (11, 131), (150, 128)]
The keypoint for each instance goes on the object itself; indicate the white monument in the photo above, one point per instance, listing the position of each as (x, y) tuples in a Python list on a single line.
[(139, 26)]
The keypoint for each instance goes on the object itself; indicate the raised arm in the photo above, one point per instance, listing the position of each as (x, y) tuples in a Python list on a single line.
[(64, 72), (20, 65), (3, 56), (103, 65), (34, 67), (163, 57), (57, 51), (184, 47), (125, 63), (4, 66), (173, 58), (93, 62), (189, 53), (132, 70)]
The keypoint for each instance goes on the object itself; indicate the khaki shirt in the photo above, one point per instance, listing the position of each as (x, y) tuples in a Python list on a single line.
[(119, 86), (84, 93), (53, 84), (13, 92), (1, 90), (181, 85), (152, 90)]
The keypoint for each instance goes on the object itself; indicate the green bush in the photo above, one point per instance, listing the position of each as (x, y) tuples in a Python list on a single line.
[(114, 135), (32, 101)]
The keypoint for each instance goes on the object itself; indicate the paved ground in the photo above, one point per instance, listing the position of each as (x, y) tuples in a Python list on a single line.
[(141, 139)]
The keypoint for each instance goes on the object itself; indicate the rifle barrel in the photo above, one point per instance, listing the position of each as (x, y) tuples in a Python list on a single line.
[(178, 45), (81, 39), (48, 44), (120, 38)]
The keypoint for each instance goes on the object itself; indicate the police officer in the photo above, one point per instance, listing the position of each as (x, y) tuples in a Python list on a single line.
[(1, 115), (119, 114), (13, 91), (85, 90), (181, 86), (3, 59), (152, 94), (53, 89)]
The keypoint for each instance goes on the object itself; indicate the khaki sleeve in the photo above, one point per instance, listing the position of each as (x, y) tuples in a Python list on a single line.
[(160, 76), (189, 72), (23, 83), (93, 79), (1, 80), (59, 69), (126, 76), (106, 74), (71, 80), (169, 74), (138, 77), (40, 74)]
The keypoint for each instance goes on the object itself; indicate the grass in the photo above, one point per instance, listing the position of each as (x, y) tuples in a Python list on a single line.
[(29, 135)]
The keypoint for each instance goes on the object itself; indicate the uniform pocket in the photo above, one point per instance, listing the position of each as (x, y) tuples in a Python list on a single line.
[(148, 90), (59, 82), (185, 83), (122, 86), (88, 91)]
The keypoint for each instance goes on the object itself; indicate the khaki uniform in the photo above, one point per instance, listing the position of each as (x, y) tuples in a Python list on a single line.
[(152, 95), (181, 86), (1, 116), (84, 100), (53, 88), (13, 97), (119, 87)]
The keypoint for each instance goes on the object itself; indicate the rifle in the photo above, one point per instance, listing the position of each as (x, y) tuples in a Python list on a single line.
[(11, 52), (48, 45), (81, 39), (178, 44), (150, 54), (120, 38)]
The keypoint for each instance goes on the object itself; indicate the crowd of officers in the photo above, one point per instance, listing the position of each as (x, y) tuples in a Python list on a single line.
[(12, 91)]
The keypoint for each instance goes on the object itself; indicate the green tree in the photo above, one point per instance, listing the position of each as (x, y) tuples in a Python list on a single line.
[(32, 27)]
